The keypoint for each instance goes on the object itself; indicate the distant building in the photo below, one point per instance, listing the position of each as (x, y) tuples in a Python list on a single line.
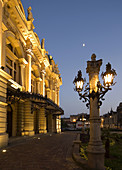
[(77, 121), (112, 119), (74, 118)]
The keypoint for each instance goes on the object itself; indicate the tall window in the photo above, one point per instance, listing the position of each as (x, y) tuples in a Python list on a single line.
[(15, 71), (9, 66)]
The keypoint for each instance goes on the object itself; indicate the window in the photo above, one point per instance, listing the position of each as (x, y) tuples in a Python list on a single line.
[(15, 52), (8, 61), (11, 68), (15, 75), (15, 66), (10, 47)]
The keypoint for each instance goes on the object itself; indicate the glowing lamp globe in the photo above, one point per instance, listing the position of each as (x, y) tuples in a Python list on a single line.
[(109, 75), (79, 82)]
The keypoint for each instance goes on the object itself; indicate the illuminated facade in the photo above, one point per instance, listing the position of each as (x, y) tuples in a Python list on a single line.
[(113, 119), (29, 78)]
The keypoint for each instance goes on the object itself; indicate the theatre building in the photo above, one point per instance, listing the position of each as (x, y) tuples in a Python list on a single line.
[(29, 78)]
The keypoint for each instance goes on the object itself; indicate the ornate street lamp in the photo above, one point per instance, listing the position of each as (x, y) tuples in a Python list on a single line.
[(108, 76), (93, 94), (79, 82)]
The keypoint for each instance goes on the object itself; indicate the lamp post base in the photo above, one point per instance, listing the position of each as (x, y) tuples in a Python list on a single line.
[(96, 156)]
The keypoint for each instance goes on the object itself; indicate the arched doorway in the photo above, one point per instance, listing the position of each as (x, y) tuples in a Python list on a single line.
[(9, 120)]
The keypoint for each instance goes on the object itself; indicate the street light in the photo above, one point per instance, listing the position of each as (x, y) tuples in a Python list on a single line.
[(109, 75), (79, 82), (93, 94)]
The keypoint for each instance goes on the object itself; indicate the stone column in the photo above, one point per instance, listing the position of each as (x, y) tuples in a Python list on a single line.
[(36, 121), (22, 66), (38, 85), (20, 118), (51, 89), (42, 121), (58, 89), (95, 147), (3, 63), (56, 95), (29, 55), (50, 123), (53, 95), (14, 119), (1, 8), (28, 119), (3, 107), (43, 83), (54, 124), (48, 93)]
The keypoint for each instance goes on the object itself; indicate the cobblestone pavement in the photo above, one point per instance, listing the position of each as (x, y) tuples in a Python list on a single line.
[(42, 152)]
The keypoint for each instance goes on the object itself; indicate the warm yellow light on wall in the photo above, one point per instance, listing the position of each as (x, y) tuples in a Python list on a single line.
[(4, 150), (74, 120)]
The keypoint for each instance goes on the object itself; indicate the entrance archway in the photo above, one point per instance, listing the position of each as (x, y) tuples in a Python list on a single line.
[(9, 120)]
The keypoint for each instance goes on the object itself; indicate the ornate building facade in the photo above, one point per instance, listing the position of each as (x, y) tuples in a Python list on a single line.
[(29, 78)]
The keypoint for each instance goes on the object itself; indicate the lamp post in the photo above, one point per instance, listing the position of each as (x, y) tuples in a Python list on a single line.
[(83, 121), (93, 95)]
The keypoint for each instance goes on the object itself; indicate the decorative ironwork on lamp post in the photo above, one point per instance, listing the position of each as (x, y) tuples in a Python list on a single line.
[(93, 94)]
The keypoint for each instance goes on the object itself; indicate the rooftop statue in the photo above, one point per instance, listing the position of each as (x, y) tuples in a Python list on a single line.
[(30, 15)]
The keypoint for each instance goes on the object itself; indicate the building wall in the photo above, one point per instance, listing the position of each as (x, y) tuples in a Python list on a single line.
[(24, 64), (113, 119)]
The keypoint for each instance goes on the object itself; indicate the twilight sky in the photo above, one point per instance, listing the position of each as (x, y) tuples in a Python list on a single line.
[(66, 25)]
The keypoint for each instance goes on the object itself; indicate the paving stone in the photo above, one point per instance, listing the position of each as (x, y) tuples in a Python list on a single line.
[(47, 153)]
